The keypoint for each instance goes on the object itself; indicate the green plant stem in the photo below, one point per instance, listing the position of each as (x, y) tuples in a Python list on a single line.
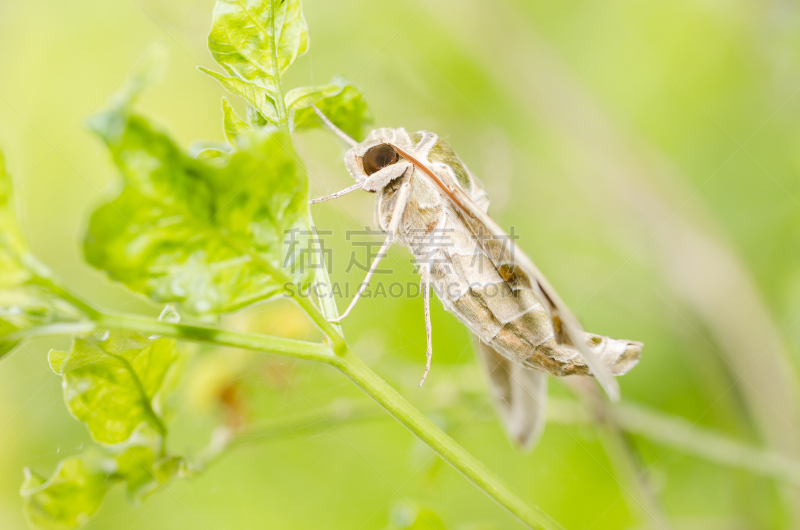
[(424, 429), (53, 330), (659, 428), (305, 303), (678, 433), (249, 341), (338, 342), (370, 382), (67, 295), (662, 429), (358, 372), (672, 431), (472, 468), (327, 305)]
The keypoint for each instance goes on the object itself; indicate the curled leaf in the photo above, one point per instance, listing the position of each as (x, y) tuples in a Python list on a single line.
[(76, 489), (71, 495)]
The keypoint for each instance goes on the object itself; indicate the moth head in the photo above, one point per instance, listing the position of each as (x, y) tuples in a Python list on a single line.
[(375, 159)]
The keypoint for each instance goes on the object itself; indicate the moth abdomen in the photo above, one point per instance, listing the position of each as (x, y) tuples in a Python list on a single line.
[(512, 321)]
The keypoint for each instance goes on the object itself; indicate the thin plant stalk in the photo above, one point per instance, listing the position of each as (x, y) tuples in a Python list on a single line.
[(366, 379)]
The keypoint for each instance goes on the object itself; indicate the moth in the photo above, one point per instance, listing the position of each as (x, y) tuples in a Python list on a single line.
[(428, 201)]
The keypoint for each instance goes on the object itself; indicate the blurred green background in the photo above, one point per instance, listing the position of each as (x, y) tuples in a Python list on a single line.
[(647, 154)]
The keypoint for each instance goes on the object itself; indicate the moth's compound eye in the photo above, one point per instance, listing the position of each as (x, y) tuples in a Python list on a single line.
[(378, 157)]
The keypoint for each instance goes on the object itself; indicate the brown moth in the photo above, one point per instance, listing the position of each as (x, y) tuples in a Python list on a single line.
[(428, 201)]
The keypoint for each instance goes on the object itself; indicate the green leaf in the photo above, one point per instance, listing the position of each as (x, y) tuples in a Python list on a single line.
[(255, 94), (71, 495), (341, 102), (257, 40), (115, 384), (25, 306), (25, 299), (144, 472), (76, 489), (207, 233), (112, 383), (233, 125)]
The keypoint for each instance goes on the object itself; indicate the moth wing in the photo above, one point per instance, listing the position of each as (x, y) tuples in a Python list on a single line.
[(519, 271), (519, 395)]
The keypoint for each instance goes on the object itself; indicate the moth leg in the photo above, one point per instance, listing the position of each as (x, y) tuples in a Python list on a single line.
[(426, 297), (336, 195), (397, 215)]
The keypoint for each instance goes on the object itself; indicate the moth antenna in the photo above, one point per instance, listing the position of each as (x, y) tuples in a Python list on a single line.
[(337, 131)]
